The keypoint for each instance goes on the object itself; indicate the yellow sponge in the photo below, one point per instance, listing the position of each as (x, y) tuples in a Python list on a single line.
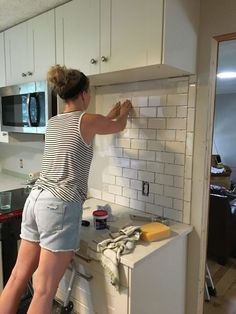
[(154, 231)]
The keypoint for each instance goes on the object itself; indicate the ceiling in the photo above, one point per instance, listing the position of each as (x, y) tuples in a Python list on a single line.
[(13, 12), (226, 62)]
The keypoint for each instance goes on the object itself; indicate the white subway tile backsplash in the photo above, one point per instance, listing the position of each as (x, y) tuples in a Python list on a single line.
[(124, 182), (139, 205), (148, 199), (130, 153), (147, 134), (155, 166), (139, 123), (167, 135), (147, 155), (148, 112), (121, 200), (156, 188), (164, 179), (157, 123), (177, 100), (166, 112), (181, 135), (106, 178), (138, 144), (130, 193), (165, 157), (175, 170), (154, 209), (130, 173), (115, 189), (182, 112), (156, 146), (155, 101), (139, 101), (139, 164), (108, 197), (136, 184), (173, 192), (176, 123), (173, 214), (120, 162), (123, 142), (146, 176), (163, 200), (175, 147)]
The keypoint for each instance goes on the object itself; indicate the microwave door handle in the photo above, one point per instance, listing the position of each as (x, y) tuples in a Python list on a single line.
[(28, 109), (35, 124)]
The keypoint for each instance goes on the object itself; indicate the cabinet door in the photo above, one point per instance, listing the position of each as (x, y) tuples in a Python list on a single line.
[(41, 35), (4, 137), (77, 35), (18, 53), (2, 62), (131, 33)]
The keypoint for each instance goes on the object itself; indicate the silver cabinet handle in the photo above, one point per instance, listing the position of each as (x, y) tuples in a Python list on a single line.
[(104, 59), (23, 74), (93, 61), (29, 73), (4, 133)]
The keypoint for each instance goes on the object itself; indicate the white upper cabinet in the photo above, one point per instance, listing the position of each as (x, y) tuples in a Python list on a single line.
[(30, 49), (77, 35), (145, 39), (2, 62)]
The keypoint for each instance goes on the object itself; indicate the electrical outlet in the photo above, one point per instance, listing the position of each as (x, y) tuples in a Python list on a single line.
[(145, 188), (21, 163)]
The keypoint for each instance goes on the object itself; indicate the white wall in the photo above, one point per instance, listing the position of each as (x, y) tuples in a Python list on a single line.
[(224, 131), (217, 18)]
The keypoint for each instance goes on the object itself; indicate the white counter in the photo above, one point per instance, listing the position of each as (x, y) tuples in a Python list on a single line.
[(10, 181), (143, 249)]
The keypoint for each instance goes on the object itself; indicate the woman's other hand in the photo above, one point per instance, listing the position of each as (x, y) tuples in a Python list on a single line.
[(115, 111)]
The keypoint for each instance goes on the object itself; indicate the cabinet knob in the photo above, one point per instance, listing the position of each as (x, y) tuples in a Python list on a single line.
[(29, 73), (23, 74), (104, 59), (93, 61)]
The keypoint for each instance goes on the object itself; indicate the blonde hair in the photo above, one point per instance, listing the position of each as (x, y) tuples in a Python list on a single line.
[(67, 83)]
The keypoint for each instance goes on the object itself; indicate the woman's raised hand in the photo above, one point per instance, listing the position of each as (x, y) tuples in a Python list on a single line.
[(126, 107)]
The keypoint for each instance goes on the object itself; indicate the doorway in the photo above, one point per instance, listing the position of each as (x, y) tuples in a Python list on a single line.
[(221, 246)]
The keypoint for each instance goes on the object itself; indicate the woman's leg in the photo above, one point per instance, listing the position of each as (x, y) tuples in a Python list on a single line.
[(26, 264), (52, 266)]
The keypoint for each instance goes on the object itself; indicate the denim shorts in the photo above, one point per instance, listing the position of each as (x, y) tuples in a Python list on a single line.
[(52, 222)]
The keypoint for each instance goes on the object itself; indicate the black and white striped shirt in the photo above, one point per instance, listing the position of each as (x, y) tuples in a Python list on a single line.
[(66, 160)]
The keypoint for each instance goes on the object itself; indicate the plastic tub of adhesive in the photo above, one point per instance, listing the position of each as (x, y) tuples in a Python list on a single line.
[(100, 219)]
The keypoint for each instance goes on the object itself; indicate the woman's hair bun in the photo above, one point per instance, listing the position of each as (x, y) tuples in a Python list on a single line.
[(65, 80)]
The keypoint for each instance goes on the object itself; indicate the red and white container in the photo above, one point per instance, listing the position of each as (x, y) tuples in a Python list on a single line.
[(100, 219)]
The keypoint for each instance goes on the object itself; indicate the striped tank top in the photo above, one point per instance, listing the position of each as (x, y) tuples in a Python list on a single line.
[(66, 160)]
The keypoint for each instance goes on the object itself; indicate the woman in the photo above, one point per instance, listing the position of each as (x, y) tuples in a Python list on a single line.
[(52, 213)]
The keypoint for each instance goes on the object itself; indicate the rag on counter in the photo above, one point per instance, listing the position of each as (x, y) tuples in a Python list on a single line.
[(109, 251)]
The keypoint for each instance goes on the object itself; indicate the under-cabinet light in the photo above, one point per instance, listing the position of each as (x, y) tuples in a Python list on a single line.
[(225, 75)]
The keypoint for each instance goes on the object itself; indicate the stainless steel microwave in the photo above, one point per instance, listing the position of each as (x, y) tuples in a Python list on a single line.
[(26, 108)]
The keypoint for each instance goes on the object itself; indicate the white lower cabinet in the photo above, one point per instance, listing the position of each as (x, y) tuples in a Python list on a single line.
[(155, 284), (4, 137)]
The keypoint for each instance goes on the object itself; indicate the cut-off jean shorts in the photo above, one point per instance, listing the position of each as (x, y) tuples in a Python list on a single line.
[(52, 222)]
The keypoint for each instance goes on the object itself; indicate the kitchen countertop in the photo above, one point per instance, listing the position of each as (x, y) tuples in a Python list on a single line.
[(121, 214), (10, 181)]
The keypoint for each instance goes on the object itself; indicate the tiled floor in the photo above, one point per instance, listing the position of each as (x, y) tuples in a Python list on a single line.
[(224, 278)]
